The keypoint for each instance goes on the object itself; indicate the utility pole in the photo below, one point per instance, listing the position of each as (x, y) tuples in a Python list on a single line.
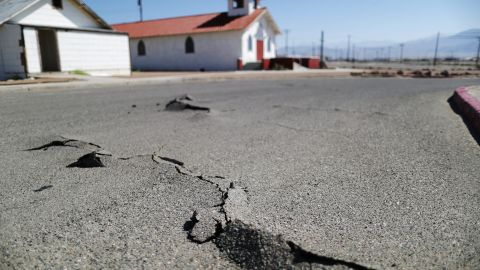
[(293, 47), (321, 49), (287, 31), (389, 53), (140, 5), (401, 52), (353, 53), (348, 49), (436, 50)]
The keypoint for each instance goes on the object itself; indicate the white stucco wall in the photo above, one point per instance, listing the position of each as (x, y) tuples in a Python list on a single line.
[(32, 50), (10, 52), (213, 51), (44, 14), (99, 54), (256, 31)]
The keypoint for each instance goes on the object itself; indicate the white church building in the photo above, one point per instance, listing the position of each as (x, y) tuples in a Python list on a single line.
[(217, 41), (39, 36)]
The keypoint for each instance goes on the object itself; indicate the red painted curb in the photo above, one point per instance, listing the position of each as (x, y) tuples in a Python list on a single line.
[(469, 107)]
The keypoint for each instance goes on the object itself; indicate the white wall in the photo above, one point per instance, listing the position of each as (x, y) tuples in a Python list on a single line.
[(267, 33), (10, 52), (213, 51), (99, 54), (32, 50), (44, 14)]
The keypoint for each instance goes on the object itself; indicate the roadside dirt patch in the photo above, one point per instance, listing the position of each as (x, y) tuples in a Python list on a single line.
[(419, 73)]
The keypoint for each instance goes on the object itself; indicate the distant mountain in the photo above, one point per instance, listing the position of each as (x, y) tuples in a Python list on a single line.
[(468, 33), (462, 45)]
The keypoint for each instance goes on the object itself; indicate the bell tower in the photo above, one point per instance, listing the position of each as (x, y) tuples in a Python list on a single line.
[(242, 7)]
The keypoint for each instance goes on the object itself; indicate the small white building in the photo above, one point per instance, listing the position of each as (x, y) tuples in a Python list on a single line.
[(58, 36), (217, 41)]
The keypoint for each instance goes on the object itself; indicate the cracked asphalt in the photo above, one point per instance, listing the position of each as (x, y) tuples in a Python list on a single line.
[(352, 173)]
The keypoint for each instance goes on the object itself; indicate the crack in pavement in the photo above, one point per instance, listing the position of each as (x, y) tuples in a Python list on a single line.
[(303, 256), (245, 245), (66, 142), (223, 224), (159, 159), (249, 247), (43, 188)]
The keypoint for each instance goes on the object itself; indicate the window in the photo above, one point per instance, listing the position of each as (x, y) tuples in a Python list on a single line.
[(141, 50), (57, 4), (269, 45), (250, 43), (189, 45), (238, 3)]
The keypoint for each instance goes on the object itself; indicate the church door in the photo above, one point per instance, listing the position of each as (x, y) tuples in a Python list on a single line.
[(260, 48)]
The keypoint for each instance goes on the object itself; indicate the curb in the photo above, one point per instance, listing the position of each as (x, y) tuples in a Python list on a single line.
[(469, 107), (173, 80), (96, 85)]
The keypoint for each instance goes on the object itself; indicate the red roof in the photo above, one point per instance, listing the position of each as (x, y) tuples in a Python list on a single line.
[(215, 22)]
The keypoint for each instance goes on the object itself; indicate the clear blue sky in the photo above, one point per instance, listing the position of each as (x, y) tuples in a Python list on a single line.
[(365, 20)]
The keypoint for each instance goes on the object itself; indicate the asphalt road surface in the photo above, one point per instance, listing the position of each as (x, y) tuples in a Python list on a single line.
[(321, 173)]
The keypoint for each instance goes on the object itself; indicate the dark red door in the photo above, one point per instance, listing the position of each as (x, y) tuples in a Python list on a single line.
[(259, 50)]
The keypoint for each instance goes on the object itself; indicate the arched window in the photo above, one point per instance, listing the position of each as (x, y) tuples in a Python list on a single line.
[(250, 43), (189, 45), (141, 51)]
